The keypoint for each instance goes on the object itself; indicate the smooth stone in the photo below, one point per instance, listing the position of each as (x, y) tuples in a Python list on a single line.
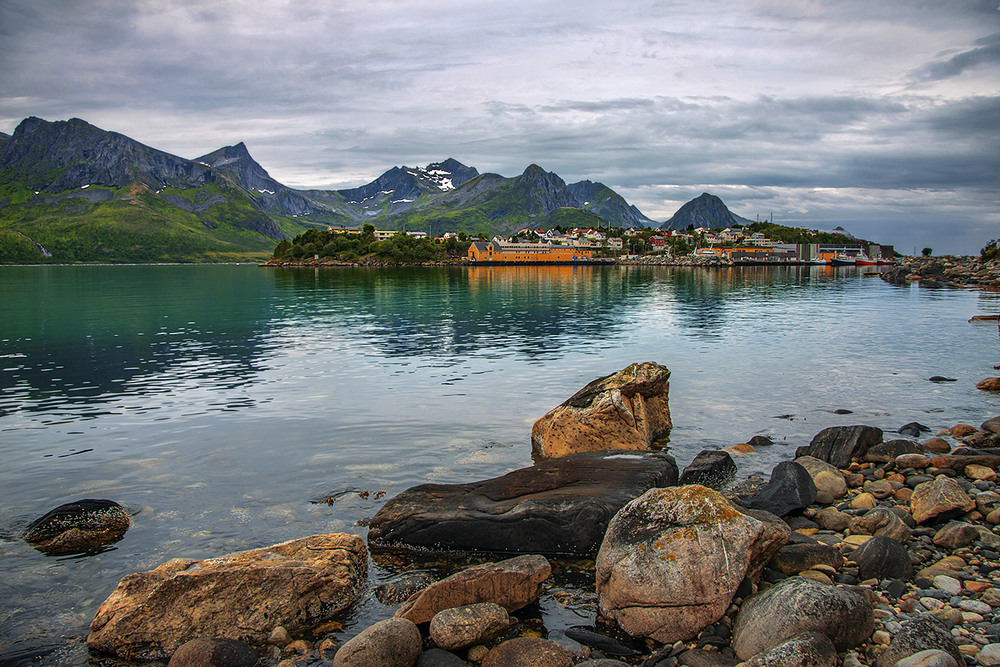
[(864, 501), (533, 651), (886, 451), (882, 558), (394, 642), (459, 627), (794, 558), (883, 522), (204, 652), (513, 583), (838, 445), (790, 488), (711, 468), (948, 584), (920, 633), (829, 481), (989, 655), (939, 499), (956, 535), (928, 658), (437, 657)]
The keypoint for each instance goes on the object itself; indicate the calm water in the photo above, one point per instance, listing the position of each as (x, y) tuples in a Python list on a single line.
[(217, 402)]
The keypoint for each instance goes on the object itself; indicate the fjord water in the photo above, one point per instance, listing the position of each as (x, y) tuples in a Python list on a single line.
[(223, 404)]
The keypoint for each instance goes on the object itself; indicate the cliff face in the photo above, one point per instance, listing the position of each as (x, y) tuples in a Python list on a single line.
[(64, 155)]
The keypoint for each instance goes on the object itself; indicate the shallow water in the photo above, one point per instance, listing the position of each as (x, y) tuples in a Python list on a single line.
[(218, 402)]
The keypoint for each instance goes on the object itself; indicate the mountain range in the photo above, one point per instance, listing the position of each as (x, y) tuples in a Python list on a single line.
[(81, 193)]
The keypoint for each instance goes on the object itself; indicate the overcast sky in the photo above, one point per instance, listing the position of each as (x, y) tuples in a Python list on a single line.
[(882, 116)]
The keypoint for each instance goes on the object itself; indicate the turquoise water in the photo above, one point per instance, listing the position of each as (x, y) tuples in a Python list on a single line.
[(217, 402)]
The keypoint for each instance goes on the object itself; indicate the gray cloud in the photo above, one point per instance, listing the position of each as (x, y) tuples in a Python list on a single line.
[(880, 116)]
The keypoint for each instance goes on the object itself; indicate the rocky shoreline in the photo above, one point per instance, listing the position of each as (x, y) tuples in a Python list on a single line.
[(870, 548), (947, 271)]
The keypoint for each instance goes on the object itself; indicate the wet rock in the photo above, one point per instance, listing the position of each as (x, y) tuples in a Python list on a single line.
[(672, 560), (401, 587), (884, 452), (829, 481), (941, 378), (920, 633), (989, 384), (882, 558), (242, 596), (812, 649), (942, 498), (913, 429), (838, 445), (833, 519), (214, 653), (528, 651), (394, 642), (884, 522), (603, 643), (713, 469), (459, 627), (937, 446), (560, 506), (84, 526), (759, 441), (798, 605), (624, 410), (789, 489), (511, 583), (991, 425)]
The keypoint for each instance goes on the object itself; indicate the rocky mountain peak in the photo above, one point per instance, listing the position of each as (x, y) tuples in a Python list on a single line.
[(705, 210)]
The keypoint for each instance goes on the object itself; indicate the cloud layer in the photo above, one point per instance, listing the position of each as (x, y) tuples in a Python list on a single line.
[(881, 117)]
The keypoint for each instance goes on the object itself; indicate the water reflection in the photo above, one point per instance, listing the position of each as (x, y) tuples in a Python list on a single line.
[(75, 340)]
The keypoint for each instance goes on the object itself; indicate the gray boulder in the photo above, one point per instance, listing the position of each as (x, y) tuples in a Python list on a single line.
[(798, 605), (809, 649), (557, 507), (919, 634)]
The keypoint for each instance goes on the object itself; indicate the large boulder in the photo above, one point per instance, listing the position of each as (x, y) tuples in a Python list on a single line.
[(882, 558), (809, 649), (837, 445), (459, 627), (796, 605), (511, 583), (624, 410), (83, 526), (789, 489), (560, 506), (242, 596), (672, 560), (533, 651)]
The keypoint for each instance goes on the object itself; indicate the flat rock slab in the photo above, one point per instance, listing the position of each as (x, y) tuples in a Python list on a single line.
[(557, 507), (242, 596)]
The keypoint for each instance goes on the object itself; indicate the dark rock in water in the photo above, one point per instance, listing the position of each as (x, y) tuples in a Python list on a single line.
[(920, 634), (760, 441), (84, 526), (843, 411), (839, 444), (882, 558), (913, 429), (790, 488), (798, 605), (400, 588), (214, 653), (603, 643), (941, 378), (884, 452), (710, 468), (559, 506)]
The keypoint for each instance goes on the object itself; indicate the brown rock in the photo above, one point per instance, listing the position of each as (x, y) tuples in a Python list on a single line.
[(833, 519), (242, 596), (459, 627), (625, 410), (394, 642), (956, 535), (958, 462), (83, 526), (672, 560), (989, 384), (977, 472), (883, 522), (937, 445), (962, 430), (863, 501), (511, 583), (879, 488), (991, 425), (829, 481), (214, 653), (904, 461), (941, 498), (532, 651)]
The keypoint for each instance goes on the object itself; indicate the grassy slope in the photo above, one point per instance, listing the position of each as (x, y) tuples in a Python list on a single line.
[(135, 225)]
